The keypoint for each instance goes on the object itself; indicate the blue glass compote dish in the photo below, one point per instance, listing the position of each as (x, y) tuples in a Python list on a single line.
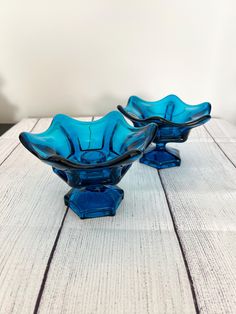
[(91, 157), (174, 118)]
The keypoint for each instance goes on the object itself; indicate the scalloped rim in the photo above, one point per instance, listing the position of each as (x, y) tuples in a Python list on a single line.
[(133, 117), (64, 163)]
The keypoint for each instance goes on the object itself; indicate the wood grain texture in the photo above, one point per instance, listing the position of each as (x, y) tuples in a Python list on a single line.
[(198, 134), (6, 147), (202, 195), (230, 150), (222, 130), (10, 139), (224, 134), (31, 211), (24, 125), (130, 263)]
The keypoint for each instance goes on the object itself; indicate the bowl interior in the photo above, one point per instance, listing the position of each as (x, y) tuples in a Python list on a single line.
[(170, 108)]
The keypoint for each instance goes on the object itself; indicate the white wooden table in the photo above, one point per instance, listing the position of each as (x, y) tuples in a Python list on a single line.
[(171, 248)]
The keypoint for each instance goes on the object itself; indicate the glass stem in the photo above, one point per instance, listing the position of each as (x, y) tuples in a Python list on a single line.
[(161, 146), (95, 188)]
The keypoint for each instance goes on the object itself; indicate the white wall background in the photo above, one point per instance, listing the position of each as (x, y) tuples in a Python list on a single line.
[(86, 56)]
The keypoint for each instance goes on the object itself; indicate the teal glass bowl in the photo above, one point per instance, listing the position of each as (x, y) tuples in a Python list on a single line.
[(91, 157), (174, 118)]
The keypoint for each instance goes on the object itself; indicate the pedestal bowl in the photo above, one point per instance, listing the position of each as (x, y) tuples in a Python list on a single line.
[(174, 119), (91, 157)]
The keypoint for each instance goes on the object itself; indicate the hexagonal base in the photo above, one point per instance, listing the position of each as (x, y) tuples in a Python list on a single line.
[(161, 158), (92, 202)]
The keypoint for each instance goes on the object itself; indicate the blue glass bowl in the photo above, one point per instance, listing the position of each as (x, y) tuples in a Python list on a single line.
[(91, 157), (174, 118)]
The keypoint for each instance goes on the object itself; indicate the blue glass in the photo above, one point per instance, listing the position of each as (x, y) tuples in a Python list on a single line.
[(91, 157), (174, 119)]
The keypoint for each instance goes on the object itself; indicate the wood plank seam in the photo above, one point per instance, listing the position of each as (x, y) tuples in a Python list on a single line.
[(219, 146), (18, 144), (206, 226), (47, 269), (181, 247)]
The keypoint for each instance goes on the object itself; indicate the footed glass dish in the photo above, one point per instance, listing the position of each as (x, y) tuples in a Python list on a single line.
[(174, 118), (91, 157)]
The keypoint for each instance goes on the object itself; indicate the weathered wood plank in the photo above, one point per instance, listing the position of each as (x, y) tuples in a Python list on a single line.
[(10, 140), (222, 130), (229, 150), (24, 125), (224, 133), (202, 195), (109, 263), (199, 134), (31, 212), (130, 263), (6, 147)]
